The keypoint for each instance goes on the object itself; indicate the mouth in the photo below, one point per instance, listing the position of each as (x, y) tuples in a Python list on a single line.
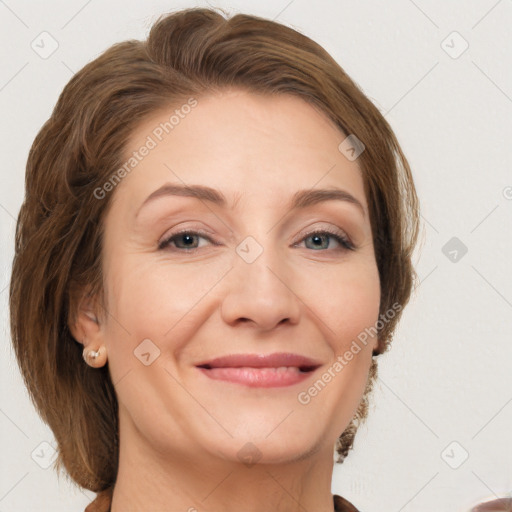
[(260, 370)]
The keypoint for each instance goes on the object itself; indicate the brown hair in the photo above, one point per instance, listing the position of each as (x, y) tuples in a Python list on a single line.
[(59, 229)]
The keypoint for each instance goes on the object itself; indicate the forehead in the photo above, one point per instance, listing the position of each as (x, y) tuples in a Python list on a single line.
[(247, 144)]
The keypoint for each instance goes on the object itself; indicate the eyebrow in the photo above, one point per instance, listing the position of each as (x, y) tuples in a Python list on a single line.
[(301, 199)]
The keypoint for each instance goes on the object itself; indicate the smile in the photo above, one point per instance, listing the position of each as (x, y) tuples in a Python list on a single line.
[(257, 370)]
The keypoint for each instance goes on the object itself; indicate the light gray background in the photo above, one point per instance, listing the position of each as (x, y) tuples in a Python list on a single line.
[(448, 377)]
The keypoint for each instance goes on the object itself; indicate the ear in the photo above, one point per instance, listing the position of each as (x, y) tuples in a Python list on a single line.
[(84, 320)]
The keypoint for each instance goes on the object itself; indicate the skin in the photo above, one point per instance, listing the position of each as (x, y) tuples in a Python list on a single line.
[(180, 431)]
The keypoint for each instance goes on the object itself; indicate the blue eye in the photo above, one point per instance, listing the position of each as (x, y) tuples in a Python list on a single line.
[(321, 239), (187, 240)]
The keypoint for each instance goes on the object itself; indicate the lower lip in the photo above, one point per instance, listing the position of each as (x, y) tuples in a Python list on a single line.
[(258, 377)]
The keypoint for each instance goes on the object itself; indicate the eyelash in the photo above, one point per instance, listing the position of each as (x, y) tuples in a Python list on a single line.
[(345, 243)]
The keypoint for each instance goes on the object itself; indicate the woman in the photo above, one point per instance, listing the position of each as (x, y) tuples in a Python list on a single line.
[(214, 248)]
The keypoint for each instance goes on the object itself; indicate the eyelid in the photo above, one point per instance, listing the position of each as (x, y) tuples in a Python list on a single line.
[(333, 229)]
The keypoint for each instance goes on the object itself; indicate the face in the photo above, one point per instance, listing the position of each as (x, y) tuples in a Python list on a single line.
[(263, 267)]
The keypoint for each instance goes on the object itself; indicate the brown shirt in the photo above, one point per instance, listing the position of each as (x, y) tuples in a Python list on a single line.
[(102, 503)]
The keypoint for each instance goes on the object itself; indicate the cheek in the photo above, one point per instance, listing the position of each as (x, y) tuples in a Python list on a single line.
[(348, 310), (152, 299), (346, 300)]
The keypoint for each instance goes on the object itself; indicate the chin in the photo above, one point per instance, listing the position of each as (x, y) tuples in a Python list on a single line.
[(269, 440), (278, 450)]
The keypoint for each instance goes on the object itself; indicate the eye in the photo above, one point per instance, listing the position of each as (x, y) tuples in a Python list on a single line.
[(321, 240), (187, 240), (183, 240)]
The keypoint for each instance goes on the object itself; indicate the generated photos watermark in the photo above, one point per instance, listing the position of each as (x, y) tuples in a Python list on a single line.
[(151, 142), (305, 397)]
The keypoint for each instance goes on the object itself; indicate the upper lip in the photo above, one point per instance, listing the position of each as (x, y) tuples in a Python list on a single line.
[(275, 360)]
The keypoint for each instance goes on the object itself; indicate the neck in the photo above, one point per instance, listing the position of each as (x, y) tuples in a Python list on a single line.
[(178, 482)]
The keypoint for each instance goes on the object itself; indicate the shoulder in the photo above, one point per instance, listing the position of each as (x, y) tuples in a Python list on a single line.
[(343, 505)]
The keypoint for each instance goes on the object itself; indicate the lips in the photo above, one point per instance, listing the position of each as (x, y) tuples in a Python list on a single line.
[(260, 370)]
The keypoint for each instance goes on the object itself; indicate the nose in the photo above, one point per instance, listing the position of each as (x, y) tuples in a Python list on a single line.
[(261, 294)]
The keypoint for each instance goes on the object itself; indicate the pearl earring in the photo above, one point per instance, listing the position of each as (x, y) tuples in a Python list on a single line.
[(90, 355)]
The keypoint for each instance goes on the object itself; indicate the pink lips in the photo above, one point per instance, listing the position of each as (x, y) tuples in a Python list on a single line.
[(260, 370)]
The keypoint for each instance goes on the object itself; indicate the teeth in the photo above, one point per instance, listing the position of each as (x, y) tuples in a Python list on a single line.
[(281, 369)]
